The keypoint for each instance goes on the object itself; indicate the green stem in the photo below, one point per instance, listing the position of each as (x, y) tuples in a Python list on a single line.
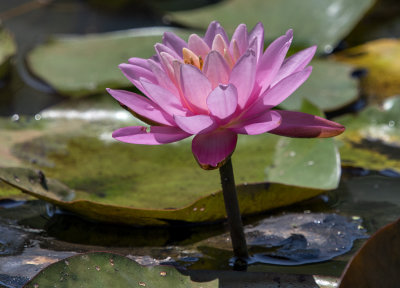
[(233, 212)]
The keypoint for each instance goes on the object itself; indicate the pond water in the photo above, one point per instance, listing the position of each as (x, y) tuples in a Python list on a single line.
[(322, 232)]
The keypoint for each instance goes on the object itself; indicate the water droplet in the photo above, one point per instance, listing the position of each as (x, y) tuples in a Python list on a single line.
[(38, 117), (97, 268), (142, 284), (163, 273), (310, 163), (17, 179), (292, 153), (328, 49), (15, 117), (391, 123)]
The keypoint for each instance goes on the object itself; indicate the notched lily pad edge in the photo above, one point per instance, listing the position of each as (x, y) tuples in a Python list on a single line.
[(254, 198)]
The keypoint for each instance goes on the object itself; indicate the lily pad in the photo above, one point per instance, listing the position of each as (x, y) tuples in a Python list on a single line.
[(113, 178), (253, 198), (377, 263), (330, 87), (107, 270), (81, 65), (7, 49), (323, 23), (372, 137), (381, 59)]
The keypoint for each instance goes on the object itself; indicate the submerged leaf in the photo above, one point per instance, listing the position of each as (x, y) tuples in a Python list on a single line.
[(103, 269), (381, 59), (323, 23), (372, 137), (296, 239), (377, 263)]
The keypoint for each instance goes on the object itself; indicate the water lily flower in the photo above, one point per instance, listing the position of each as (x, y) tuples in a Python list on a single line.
[(215, 88)]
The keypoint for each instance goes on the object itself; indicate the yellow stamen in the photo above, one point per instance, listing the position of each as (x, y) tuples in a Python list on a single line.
[(190, 58)]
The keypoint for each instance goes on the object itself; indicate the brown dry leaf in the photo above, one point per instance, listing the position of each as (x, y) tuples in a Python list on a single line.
[(382, 60), (377, 264)]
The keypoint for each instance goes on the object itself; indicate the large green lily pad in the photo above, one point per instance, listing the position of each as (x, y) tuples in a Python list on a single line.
[(80, 152), (381, 59), (7, 50), (103, 270), (82, 65), (372, 137), (253, 198), (323, 23), (329, 87)]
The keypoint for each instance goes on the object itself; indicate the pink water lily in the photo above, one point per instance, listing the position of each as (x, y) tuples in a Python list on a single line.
[(216, 88)]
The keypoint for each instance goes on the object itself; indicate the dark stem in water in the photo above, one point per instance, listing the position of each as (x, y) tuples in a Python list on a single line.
[(233, 213)]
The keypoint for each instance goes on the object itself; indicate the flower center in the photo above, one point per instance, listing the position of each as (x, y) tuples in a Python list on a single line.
[(189, 57)]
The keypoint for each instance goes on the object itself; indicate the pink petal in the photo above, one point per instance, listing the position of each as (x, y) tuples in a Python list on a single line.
[(216, 69), (198, 46), (222, 101), (285, 88), (142, 106), (169, 102), (272, 59), (302, 125), (211, 149), (263, 123), (174, 42), (240, 36), (214, 29), (133, 73), (139, 62), (156, 136), (197, 124), (219, 44), (243, 76), (166, 61), (258, 33), (195, 87), (162, 77), (295, 63), (163, 48)]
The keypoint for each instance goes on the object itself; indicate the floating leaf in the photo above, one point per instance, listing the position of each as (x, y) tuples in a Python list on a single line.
[(7, 50), (381, 59), (323, 23), (110, 270), (253, 198), (329, 87), (75, 147), (372, 137), (377, 263), (82, 65)]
